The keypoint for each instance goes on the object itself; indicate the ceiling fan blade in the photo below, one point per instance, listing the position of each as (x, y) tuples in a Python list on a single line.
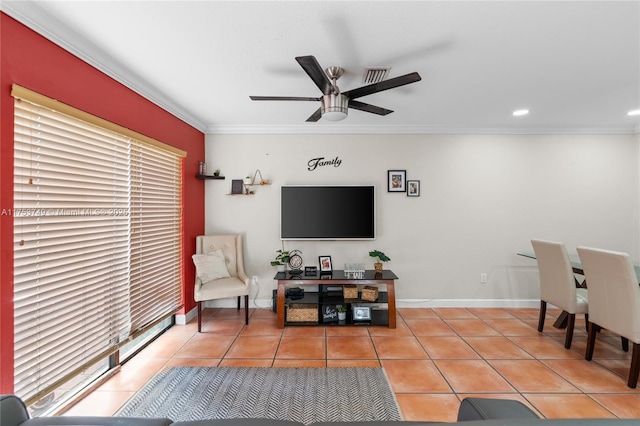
[(317, 115), (383, 85), (369, 108), (282, 98), (314, 70)]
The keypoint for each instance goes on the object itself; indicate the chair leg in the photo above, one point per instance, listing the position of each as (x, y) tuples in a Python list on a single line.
[(625, 343), (569, 336), (543, 312), (634, 371), (586, 321), (199, 317), (246, 309), (591, 341)]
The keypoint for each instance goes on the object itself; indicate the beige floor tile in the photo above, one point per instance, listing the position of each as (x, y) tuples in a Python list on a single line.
[(625, 406), (588, 376), (202, 345), (471, 327), (412, 313), (543, 347), (429, 327), (428, 407), (301, 347), (529, 376), (454, 313), (472, 376), (562, 406), (236, 362), (512, 327), (254, 347), (415, 376), (367, 363), (491, 347), (447, 347), (398, 348), (100, 403), (350, 348)]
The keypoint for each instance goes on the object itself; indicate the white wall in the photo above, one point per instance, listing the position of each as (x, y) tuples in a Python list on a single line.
[(482, 199)]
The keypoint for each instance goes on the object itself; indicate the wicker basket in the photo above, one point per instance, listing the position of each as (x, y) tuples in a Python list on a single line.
[(350, 291), (302, 312), (369, 293)]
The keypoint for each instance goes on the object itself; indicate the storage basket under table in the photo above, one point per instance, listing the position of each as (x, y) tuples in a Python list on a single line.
[(370, 293), (302, 312), (350, 291)]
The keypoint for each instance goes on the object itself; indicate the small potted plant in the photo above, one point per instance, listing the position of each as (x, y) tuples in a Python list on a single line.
[(247, 180), (216, 172), (342, 313), (380, 257), (281, 260)]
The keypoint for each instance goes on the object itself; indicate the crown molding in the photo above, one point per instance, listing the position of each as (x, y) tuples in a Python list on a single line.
[(39, 20), (318, 128)]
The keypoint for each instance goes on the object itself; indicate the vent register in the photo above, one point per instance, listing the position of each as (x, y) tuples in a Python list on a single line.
[(375, 75)]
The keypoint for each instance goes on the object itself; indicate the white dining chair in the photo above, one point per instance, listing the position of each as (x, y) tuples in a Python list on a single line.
[(558, 285), (615, 301)]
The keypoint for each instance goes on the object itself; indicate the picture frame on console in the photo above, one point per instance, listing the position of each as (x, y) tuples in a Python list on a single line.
[(397, 180), (325, 264), (413, 188)]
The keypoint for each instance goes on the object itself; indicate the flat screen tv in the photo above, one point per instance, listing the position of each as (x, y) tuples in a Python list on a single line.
[(327, 212)]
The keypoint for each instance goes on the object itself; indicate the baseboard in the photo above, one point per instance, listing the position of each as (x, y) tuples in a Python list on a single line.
[(400, 303), (183, 319), (467, 303)]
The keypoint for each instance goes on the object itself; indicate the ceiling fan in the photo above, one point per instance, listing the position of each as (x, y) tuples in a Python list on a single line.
[(334, 104)]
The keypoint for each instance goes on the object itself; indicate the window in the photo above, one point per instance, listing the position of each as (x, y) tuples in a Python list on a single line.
[(97, 239)]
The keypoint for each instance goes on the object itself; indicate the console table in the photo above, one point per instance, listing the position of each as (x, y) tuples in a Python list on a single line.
[(336, 278)]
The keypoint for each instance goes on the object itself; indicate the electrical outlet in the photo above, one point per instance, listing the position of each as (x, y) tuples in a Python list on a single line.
[(254, 280), (483, 278)]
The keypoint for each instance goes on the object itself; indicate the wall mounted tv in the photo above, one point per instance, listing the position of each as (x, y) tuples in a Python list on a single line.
[(327, 212)]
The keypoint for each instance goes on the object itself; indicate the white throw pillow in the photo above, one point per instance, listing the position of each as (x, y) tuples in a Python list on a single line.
[(211, 266)]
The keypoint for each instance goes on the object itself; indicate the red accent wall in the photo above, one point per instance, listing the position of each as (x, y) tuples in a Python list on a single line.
[(34, 62)]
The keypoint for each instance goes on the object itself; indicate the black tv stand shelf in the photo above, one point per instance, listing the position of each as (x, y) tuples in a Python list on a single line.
[(330, 292)]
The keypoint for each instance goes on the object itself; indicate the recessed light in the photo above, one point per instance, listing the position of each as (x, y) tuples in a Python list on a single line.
[(520, 112), (634, 112)]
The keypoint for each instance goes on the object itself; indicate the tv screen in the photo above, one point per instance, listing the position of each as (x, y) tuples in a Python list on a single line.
[(327, 213)]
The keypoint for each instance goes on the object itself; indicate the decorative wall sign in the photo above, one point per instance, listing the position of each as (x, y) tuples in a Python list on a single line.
[(236, 186), (314, 163), (397, 180), (413, 188)]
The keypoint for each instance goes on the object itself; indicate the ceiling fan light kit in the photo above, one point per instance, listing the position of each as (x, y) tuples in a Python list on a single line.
[(334, 105)]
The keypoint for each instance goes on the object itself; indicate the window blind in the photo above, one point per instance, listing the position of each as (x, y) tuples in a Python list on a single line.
[(97, 243), (156, 230)]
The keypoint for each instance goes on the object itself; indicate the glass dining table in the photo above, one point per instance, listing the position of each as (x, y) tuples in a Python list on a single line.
[(576, 265)]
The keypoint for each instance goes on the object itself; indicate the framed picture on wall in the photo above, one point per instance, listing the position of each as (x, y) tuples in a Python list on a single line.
[(397, 180), (413, 188)]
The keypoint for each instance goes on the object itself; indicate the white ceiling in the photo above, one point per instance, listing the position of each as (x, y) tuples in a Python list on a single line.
[(575, 64)]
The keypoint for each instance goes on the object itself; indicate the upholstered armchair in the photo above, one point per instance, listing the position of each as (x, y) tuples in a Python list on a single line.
[(220, 271)]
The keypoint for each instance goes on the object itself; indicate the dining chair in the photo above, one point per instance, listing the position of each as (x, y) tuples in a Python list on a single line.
[(615, 301), (220, 271), (558, 285)]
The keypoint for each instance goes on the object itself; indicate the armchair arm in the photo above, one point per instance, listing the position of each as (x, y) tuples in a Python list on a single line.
[(13, 412)]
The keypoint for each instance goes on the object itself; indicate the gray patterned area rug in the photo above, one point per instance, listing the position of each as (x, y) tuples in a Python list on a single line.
[(304, 395)]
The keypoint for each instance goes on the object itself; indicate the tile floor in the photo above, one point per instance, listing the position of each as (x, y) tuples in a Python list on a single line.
[(433, 359)]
